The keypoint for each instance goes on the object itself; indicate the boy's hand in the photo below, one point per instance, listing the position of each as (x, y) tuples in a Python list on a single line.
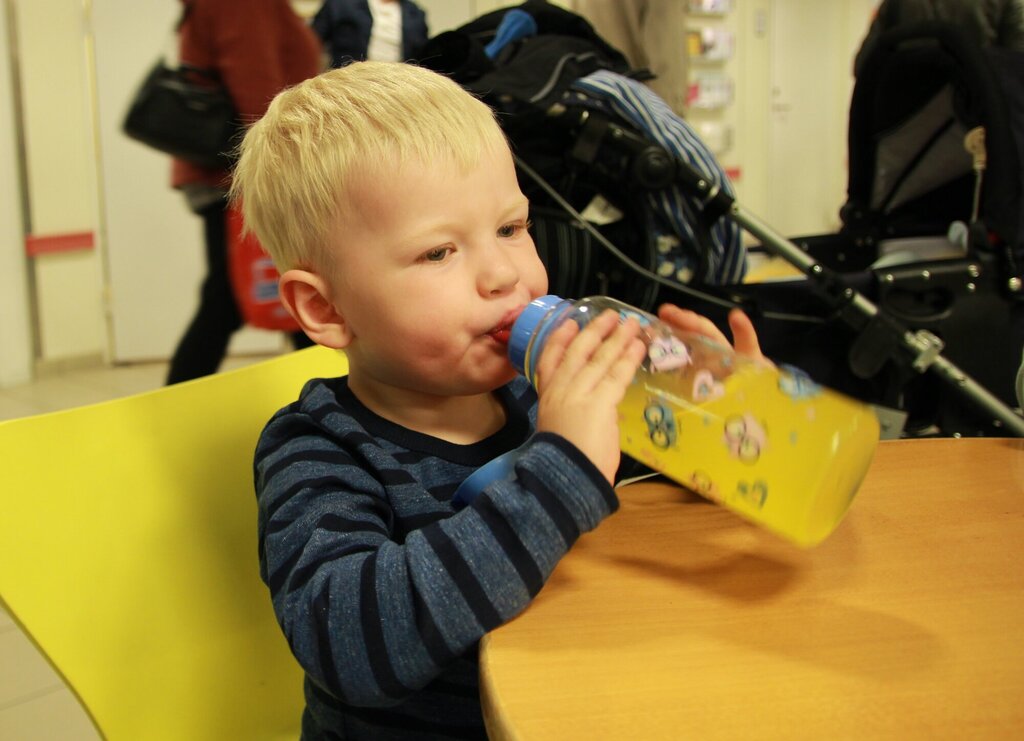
[(743, 333), (581, 378)]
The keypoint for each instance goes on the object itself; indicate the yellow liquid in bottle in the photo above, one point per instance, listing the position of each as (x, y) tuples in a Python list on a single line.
[(767, 443)]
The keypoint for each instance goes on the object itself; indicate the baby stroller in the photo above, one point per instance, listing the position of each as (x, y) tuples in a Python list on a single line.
[(932, 226), (588, 143)]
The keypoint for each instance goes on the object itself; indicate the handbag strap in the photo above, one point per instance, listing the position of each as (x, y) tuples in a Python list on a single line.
[(211, 74)]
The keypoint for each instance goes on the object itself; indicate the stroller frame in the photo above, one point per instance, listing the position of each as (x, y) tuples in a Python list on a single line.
[(878, 332), (919, 350)]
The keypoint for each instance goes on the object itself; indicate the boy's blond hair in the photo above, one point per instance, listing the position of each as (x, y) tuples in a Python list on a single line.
[(319, 140)]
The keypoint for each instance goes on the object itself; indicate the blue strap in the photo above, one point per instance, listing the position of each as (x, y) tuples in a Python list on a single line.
[(516, 24), (502, 467)]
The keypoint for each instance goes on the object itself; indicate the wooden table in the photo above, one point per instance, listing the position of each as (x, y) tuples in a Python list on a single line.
[(676, 620)]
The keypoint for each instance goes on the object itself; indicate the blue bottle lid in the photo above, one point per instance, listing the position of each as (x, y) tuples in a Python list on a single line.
[(524, 327)]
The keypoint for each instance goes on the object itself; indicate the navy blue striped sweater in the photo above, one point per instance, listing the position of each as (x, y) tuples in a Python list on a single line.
[(382, 589)]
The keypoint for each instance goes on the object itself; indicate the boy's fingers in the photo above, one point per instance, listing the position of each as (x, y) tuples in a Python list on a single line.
[(589, 340), (691, 321), (554, 351), (744, 335), (624, 368), (598, 367), (585, 360)]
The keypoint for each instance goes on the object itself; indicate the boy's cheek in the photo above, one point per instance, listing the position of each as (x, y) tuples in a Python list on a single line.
[(539, 277)]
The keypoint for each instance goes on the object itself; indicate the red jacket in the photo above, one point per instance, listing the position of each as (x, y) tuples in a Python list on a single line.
[(258, 47)]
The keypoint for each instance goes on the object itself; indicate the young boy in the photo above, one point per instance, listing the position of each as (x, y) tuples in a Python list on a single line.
[(388, 198)]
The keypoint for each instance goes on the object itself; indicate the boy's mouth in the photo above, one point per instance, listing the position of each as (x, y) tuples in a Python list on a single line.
[(503, 331), (501, 334)]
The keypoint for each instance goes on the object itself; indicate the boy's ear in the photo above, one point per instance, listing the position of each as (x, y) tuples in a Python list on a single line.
[(307, 297)]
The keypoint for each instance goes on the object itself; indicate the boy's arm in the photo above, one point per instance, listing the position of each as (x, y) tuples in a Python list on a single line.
[(373, 618)]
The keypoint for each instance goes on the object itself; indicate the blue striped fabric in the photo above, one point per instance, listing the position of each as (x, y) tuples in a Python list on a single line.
[(381, 588), (671, 210)]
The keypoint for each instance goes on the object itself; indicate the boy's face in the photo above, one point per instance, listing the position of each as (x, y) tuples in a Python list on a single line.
[(434, 263)]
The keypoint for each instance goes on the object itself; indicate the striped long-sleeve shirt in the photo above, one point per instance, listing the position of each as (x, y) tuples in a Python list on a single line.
[(382, 589)]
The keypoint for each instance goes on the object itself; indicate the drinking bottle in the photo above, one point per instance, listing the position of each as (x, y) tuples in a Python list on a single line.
[(766, 442)]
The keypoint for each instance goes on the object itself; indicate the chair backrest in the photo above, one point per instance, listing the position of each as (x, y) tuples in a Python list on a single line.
[(128, 554)]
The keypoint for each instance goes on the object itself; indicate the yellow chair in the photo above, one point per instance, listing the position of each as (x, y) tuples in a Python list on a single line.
[(128, 554)]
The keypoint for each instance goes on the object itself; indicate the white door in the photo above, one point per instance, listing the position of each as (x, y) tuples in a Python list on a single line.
[(806, 118), (154, 244)]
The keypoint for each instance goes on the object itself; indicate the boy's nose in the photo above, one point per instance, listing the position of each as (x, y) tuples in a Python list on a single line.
[(498, 273)]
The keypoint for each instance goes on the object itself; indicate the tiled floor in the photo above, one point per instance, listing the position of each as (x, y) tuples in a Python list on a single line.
[(35, 704)]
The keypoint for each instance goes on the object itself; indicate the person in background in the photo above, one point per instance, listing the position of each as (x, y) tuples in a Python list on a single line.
[(652, 35), (380, 30), (987, 22), (257, 47), (388, 198)]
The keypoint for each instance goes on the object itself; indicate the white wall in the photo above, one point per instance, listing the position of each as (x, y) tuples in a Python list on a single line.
[(15, 337), (62, 176)]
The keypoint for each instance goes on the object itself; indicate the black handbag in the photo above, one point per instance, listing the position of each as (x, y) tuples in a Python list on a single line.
[(185, 112)]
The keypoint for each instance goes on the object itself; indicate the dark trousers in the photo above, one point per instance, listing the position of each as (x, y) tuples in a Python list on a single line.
[(205, 342)]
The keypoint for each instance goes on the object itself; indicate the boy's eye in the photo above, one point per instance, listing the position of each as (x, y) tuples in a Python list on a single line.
[(511, 230), (437, 254)]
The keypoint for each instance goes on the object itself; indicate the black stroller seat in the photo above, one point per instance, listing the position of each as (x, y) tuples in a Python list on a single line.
[(919, 91)]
